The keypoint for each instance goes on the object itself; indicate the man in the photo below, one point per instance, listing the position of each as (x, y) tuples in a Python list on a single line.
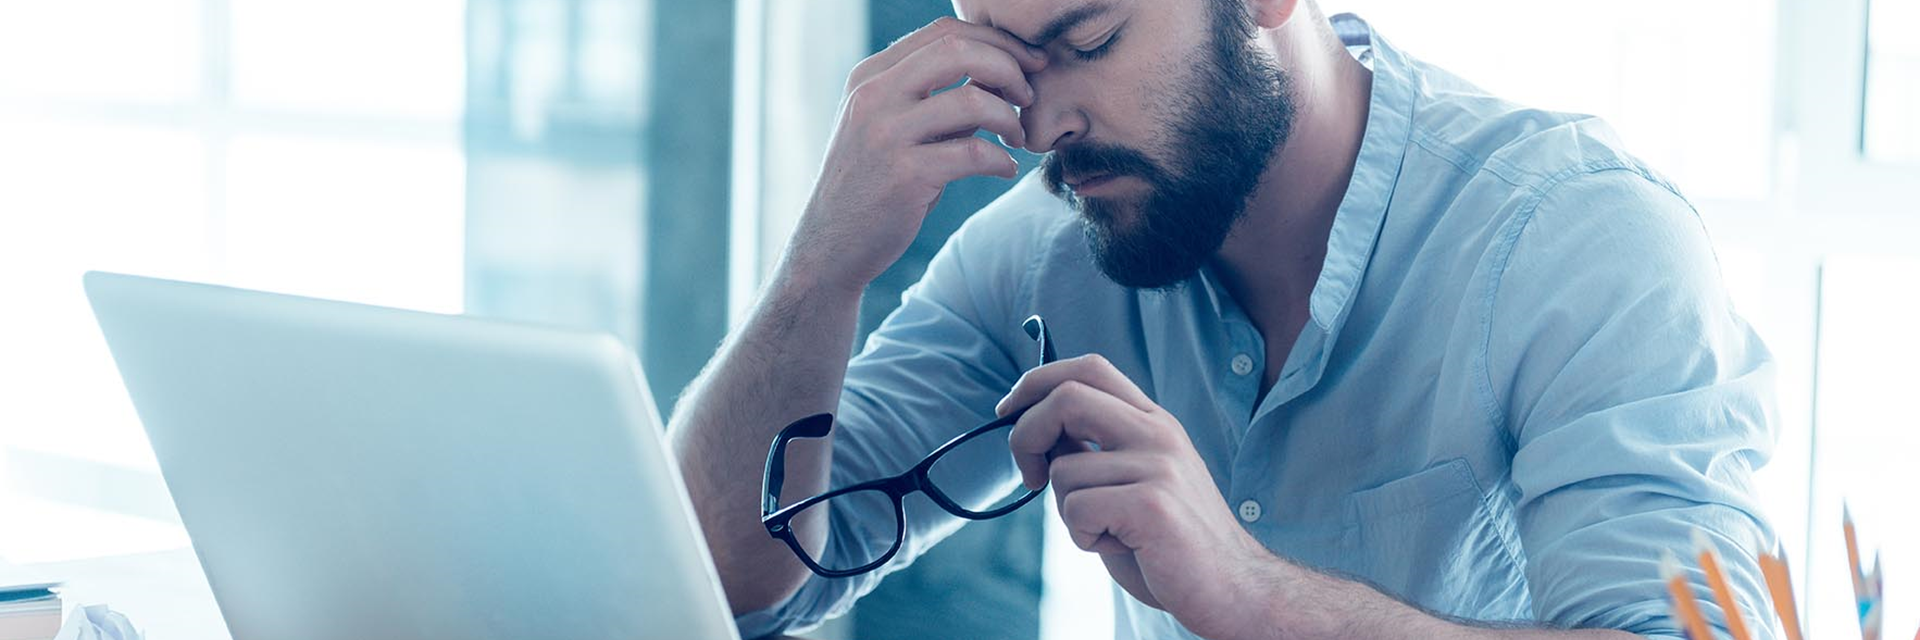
[(1349, 348)]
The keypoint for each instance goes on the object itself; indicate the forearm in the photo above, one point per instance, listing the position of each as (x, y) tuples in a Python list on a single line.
[(1324, 607), (787, 361)]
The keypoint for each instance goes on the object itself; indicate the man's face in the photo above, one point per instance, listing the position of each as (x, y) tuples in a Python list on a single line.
[(1157, 118)]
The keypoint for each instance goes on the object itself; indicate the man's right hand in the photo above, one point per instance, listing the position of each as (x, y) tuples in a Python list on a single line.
[(895, 149), (898, 144)]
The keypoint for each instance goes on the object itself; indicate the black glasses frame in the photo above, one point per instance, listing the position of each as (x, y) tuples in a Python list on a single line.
[(778, 520)]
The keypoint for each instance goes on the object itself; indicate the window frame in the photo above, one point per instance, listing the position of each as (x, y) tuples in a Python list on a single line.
[(1824, 90), (211, 113)]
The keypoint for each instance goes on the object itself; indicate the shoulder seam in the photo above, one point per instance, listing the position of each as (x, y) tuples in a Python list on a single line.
[(1447, 153), (1502, 253)]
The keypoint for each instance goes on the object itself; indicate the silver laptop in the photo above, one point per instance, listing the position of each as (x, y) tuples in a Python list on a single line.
[(348, 471)]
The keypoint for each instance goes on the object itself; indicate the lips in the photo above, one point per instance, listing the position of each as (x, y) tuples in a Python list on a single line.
[(1093, 181), (1081, 181), (1094, 185)]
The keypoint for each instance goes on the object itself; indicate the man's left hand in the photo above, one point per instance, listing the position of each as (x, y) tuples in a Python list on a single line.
[(1131, 487)]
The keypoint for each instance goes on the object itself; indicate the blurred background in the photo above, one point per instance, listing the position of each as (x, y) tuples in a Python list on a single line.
[(634, 166)]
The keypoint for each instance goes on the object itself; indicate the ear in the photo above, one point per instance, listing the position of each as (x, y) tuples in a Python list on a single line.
[(1272, 14)]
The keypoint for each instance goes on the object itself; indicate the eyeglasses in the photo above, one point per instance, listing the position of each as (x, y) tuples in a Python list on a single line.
[(952, 476)]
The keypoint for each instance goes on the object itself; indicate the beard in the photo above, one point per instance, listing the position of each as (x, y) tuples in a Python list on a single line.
[(1237, 108)]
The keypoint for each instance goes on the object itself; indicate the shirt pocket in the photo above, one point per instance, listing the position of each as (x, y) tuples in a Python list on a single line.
[(1433, 539)]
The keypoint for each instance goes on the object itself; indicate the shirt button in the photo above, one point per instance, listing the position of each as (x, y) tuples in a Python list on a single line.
[(1242, 365), (1249, 511)]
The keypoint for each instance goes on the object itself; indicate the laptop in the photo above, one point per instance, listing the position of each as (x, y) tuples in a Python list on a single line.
[(349, 471)]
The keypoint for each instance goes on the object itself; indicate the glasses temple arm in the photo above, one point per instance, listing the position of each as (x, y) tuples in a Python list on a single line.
[(814, 426), (1037, 329)]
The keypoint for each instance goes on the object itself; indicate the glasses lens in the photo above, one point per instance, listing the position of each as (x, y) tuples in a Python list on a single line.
[(876, 528), (979, 474)]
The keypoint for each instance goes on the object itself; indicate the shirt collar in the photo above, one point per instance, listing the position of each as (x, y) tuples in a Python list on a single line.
[(1356, 224)]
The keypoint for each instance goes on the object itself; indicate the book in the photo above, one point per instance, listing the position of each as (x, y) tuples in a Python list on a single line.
[(30, 611)]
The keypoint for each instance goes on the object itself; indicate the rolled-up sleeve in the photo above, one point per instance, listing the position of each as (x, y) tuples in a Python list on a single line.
[(933, 369), (1638, 403)]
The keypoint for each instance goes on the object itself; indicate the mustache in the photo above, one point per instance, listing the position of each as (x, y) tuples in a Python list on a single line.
[(1086, 159)]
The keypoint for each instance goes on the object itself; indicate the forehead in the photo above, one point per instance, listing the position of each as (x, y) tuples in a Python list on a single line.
[(1029, 20)]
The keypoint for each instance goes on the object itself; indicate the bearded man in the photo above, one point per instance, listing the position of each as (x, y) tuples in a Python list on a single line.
[(1348, 347)]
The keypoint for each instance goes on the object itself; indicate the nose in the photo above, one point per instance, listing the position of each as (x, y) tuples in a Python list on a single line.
[(1054, 119)]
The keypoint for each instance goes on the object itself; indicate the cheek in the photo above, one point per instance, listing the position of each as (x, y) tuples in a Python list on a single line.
[(1151, 108), (1131, 103)]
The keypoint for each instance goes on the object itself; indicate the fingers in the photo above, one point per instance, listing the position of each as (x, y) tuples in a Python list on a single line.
[(1074, 412), (967, 156), (1028, 58), (1099, 519), (954, 58), (962, 110), (1091, 370), (1074, 472), (1104, 520)]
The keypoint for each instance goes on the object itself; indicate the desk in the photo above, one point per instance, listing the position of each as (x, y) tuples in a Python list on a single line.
[(164, 593)]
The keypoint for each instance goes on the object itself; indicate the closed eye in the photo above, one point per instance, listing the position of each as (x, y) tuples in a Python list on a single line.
[(1100, 50)]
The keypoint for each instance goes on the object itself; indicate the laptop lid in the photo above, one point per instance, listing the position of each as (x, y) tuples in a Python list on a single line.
[(348, 471)]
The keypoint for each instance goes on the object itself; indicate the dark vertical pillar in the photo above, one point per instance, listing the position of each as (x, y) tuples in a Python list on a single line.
[(598, 199), (687, 151), (554, 177)]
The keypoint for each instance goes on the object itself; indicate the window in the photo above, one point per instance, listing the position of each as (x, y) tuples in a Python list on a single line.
[(271, 144), (1688, 85), (1865, 440), (1893, 81)]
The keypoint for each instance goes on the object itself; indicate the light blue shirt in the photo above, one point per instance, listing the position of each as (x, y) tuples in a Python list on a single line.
[(1522, 380)]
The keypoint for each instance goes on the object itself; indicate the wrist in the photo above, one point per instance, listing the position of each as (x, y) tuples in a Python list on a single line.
[(803, 279), (1279, 610), (1298, 602)]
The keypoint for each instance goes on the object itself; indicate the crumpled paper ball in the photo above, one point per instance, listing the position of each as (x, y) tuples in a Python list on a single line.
[(97, 622)]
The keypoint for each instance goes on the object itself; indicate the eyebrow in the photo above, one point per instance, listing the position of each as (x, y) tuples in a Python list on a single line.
[(1067, 21)]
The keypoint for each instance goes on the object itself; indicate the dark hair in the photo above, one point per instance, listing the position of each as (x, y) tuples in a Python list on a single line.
[(1236, 17)]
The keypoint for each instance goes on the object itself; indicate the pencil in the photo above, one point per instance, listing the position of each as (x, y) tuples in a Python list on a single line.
[(1862, 600), (1872, 617), (1717, 580), (1853, 552), (1684, 608), (1780, 586)]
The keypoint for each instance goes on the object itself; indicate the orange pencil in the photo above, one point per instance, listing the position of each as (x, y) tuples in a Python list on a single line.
[(1684, 607), (1853, 553), (1717, 580), (1780, 586)]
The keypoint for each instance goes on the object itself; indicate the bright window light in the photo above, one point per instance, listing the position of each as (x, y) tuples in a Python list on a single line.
[(1076, 594), (86, 196), (1866, 438), (146, 51), (364, 221), (311, 149), (1893, 81), (390, 59), (1688, 85)]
